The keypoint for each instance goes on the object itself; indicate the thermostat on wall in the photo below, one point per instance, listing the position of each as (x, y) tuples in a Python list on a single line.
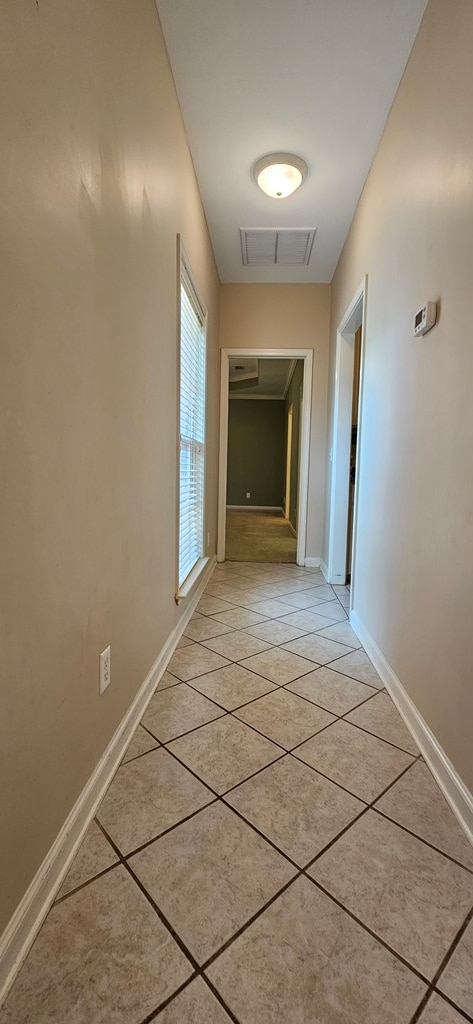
[(425, 318)]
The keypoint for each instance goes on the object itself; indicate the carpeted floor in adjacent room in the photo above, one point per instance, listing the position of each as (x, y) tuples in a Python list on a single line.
[(259, 537)]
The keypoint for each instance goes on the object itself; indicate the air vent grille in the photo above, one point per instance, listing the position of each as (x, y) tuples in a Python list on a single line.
[(276, 246)]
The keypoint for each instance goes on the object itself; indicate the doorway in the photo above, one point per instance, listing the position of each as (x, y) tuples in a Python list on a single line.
[(298, 481), (287, 497), (345, 451)]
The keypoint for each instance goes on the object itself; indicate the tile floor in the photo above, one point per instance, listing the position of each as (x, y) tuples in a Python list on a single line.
[(272, 849)]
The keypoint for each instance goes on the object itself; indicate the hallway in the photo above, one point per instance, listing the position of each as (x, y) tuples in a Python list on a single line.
[(273, 849)]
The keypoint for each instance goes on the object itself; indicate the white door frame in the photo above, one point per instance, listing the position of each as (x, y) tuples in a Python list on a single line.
[(354, 318), (266, 353), (287, 498)]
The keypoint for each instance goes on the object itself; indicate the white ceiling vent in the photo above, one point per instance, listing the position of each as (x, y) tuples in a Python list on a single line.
[(280, 246)]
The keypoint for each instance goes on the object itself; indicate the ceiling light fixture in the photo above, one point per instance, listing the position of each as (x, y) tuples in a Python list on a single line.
[(279, 174)]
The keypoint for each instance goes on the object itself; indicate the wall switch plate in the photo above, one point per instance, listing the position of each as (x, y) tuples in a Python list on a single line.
[(248, 494), (105, 675)]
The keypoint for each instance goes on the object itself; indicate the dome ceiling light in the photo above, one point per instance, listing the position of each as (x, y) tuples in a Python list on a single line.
[(279, 174)]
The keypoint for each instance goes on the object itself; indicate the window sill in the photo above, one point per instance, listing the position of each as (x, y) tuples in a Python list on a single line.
[(191, 579)]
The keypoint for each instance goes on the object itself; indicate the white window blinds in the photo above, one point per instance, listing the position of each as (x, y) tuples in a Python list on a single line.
[(192, 432)]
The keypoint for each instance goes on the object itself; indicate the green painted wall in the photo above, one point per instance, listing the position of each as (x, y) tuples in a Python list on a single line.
[(294, 398), (256, 452)]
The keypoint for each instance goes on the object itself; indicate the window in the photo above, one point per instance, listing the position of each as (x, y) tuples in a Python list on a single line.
[(191, 430)]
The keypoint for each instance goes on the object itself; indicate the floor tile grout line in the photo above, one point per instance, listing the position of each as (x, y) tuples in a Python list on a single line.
[(422, 1005), (172, 828), (219, 795), (252, 700), (427, 842), (86, 882), (244, 927), (261, 834), (448, 999), (376, 735), (456, 941), (300, 872), (142, 753), (366, 928), (287, 750), (368, 807), (169, 999), (426, 1000)]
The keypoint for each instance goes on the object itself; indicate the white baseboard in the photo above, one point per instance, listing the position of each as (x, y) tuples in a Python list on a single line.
[(29, 915), (324, 568), (255, 508), (312, 563), (452, 786)]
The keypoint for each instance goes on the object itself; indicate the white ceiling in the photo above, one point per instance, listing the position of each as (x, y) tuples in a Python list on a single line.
[(312, 77)]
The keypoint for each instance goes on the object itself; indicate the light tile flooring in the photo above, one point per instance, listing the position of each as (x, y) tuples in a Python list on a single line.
[(272, 850)]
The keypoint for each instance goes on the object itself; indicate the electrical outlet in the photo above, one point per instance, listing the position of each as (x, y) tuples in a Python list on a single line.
[(105, 674), (248, 494)]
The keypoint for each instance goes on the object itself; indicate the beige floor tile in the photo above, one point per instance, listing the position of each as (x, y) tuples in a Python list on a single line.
[(381, 717), (358, 666), (322, 592), (284, 717), (212, 605), (225, 752), (308, 620), (232, 686), (316, 647), (275, 631), (408, 894), (147, 796), (210, 876), (205, 628), (304, 599), (194, 661), (237, 645), (417, 802), (284, 588), (140, 743), (271, 608), (93, 856), (240, 618), (438, 1011), (225, 591), (178, 710), (332, 610), (102, 955), (195, 1005), (296, 808), (342, 633), (331, 690), (278, 665), (361, 763), (457, 979), (305, 960), (167, 680), (185, 641)]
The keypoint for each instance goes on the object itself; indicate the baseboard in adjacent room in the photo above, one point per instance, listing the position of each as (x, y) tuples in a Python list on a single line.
[(255, 508), (452, 786), (312, 563), (29, 915)]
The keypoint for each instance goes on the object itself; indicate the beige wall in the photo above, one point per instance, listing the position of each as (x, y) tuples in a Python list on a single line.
[(96, 182), (413, 236), (288, 316)]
